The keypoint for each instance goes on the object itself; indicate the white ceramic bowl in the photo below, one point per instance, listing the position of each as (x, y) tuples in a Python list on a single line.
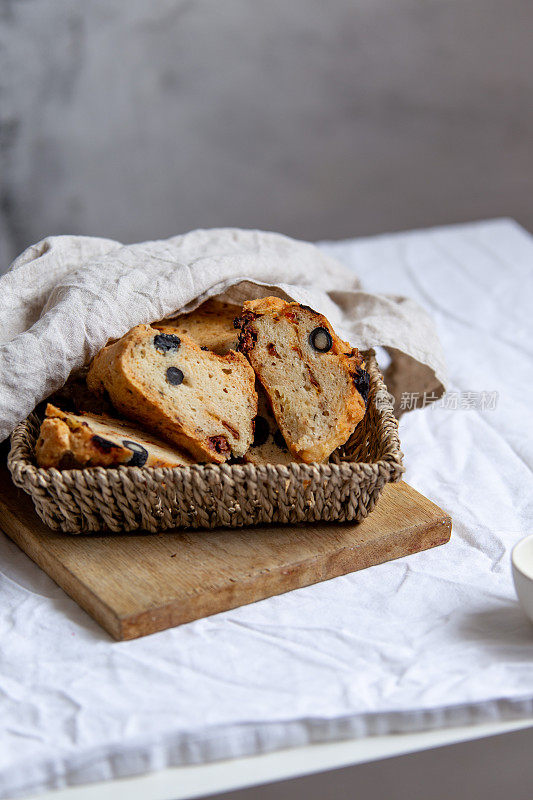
[(522, 562)]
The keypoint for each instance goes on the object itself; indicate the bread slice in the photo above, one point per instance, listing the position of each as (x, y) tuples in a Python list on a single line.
[(316, 383), (210, 325), (192, 397), (268, 446), (69, 441)]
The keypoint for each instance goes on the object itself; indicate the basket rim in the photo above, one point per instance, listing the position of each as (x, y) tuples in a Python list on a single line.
[(21, 451)]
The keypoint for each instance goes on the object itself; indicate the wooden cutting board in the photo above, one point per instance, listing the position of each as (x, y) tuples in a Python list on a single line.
[(134, 584)]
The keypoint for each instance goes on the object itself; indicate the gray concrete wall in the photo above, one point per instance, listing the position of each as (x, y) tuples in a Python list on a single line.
[(140, 119)]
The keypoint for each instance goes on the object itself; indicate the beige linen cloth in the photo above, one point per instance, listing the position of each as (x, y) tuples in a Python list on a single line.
[(65, 297)]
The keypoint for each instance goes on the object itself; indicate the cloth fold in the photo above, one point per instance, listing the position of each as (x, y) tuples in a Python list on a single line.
[(66, 296)]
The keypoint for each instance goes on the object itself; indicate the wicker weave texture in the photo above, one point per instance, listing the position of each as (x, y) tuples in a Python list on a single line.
[(209, 496)]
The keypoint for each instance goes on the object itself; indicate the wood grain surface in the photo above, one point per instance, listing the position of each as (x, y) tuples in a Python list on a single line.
[(134, 584)]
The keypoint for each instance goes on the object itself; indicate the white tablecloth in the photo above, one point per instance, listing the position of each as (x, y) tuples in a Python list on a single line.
[(430, 640)]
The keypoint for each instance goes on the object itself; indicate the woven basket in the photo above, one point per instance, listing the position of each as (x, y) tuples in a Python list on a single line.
[(209, 496)]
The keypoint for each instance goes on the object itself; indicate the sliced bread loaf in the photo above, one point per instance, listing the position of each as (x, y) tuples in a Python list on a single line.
[(69, 441), (210, 325), (316, 383), (192, 397)]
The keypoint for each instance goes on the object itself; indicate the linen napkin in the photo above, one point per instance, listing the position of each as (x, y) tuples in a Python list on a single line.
[(66, 296)]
